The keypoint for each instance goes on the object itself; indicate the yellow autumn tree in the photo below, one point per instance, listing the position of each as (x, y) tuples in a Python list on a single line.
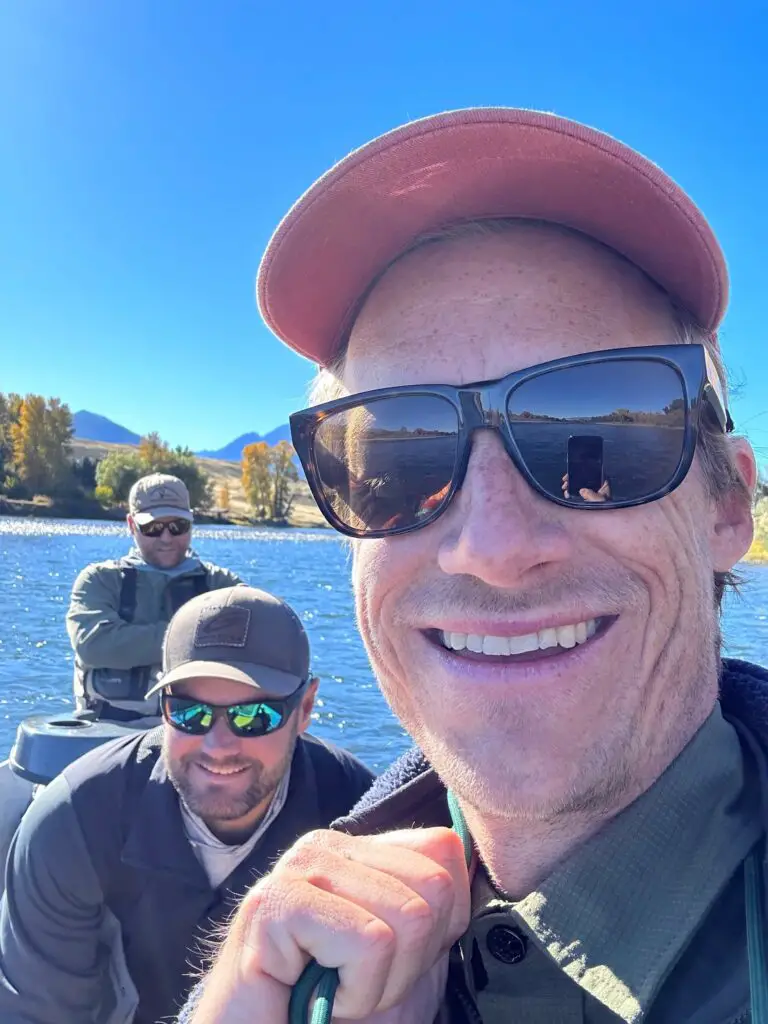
[(284, 475), (257, 478), (268, 475), (40, 435), (223, 497), (154, 453)]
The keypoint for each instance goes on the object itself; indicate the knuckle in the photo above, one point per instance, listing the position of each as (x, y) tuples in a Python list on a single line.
[(443, 846), (378, 941), (418, 920), (307, 850)]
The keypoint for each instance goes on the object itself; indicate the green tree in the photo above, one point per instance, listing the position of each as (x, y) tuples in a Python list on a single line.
[(118, 472)]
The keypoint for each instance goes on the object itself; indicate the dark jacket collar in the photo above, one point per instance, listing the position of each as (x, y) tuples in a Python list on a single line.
[(409, 792)]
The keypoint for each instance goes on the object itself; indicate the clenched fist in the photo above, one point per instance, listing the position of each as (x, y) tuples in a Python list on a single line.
[(384, 910)]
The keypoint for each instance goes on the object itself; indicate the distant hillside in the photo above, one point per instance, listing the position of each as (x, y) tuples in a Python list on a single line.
[(304, 512), (89, 426), (233, 451)]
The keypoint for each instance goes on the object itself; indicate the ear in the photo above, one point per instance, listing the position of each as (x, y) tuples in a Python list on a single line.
[(131, 525), (734, 526), (307, 705)]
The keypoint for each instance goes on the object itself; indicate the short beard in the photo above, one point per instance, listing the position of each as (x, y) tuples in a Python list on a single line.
[(227, 806)]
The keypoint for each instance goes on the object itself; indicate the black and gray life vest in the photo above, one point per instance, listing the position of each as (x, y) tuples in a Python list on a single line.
[(118, 694)]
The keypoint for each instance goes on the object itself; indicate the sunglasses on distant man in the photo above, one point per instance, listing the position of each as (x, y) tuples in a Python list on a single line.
[(247, 720), (156, 528), (626, 421)]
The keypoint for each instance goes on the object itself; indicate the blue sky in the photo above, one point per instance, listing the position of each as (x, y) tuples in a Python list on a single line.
[(148, 149)]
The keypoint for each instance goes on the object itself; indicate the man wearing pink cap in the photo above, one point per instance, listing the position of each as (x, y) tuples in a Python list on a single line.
[(521, 419)]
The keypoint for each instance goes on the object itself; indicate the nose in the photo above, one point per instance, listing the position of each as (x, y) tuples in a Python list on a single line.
[(500, 530), (220, 740)]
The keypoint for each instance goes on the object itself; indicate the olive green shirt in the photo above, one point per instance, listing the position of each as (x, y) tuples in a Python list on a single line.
[(643, 922)]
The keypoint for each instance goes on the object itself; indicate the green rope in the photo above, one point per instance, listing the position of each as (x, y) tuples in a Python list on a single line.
[(757, 941), (322, 982)]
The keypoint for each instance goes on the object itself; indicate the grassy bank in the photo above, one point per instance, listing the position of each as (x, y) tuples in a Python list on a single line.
[(304, 511)]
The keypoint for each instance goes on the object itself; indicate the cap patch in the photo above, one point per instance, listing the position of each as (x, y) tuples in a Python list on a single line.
[(163, 493), (222, 626)]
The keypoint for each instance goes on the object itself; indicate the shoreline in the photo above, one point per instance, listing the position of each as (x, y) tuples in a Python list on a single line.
[(83, 508)]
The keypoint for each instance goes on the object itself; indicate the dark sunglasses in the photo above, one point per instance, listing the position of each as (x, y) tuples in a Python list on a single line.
[(176, 528), (601, 430), (196, 717)]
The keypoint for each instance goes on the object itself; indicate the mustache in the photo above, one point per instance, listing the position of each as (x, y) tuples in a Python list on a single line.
[(603, 590)]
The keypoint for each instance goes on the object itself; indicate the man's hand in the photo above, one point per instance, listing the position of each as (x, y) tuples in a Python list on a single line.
[(383, 910)]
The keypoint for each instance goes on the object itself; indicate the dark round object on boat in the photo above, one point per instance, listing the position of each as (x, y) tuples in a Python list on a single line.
[(46, 744)]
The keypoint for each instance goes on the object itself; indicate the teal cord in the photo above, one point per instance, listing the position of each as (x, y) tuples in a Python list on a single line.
[(757, 940), (315, 980), (323, 981)]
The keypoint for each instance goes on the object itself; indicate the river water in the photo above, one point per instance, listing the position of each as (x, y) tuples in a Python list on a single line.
[(39, 560)]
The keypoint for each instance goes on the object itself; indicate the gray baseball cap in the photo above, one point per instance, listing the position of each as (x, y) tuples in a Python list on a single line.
[(236, 633), (159, 495)]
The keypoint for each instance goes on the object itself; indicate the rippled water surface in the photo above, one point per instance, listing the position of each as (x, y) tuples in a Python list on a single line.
[(39, 559)]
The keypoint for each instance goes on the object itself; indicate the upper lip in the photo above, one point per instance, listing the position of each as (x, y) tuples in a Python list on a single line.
[(513, 627)]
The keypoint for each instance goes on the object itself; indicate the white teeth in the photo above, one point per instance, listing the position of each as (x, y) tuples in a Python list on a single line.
[(566, 636), (495, 645), (523, 644), (547, 638), (551, 636)]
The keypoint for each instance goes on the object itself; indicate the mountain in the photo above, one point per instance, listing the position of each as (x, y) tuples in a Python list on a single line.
[(282, 433), (89, 426), (233, 451)]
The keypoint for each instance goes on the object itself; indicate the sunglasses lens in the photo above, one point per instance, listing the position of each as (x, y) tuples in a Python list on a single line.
[(606, 431), (387, 464), (254, 719), (176, 528), (188, 716)]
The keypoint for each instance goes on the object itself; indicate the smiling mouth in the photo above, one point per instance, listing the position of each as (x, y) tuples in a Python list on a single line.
[(221, 772), (548, 642)]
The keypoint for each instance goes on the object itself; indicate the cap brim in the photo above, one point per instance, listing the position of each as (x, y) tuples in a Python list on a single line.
[(142, 518), (270, 682), (478, 164)]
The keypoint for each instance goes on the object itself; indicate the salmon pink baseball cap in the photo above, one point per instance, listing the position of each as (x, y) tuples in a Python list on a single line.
[(474, 164)]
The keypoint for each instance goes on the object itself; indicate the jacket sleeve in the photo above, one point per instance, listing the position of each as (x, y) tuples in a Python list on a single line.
[(99, 637), (51, 916)]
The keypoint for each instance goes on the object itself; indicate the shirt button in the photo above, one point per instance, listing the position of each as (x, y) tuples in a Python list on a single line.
[(506, 944)]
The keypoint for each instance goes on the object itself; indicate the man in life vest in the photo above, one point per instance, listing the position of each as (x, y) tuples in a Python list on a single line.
[(119, 609)]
